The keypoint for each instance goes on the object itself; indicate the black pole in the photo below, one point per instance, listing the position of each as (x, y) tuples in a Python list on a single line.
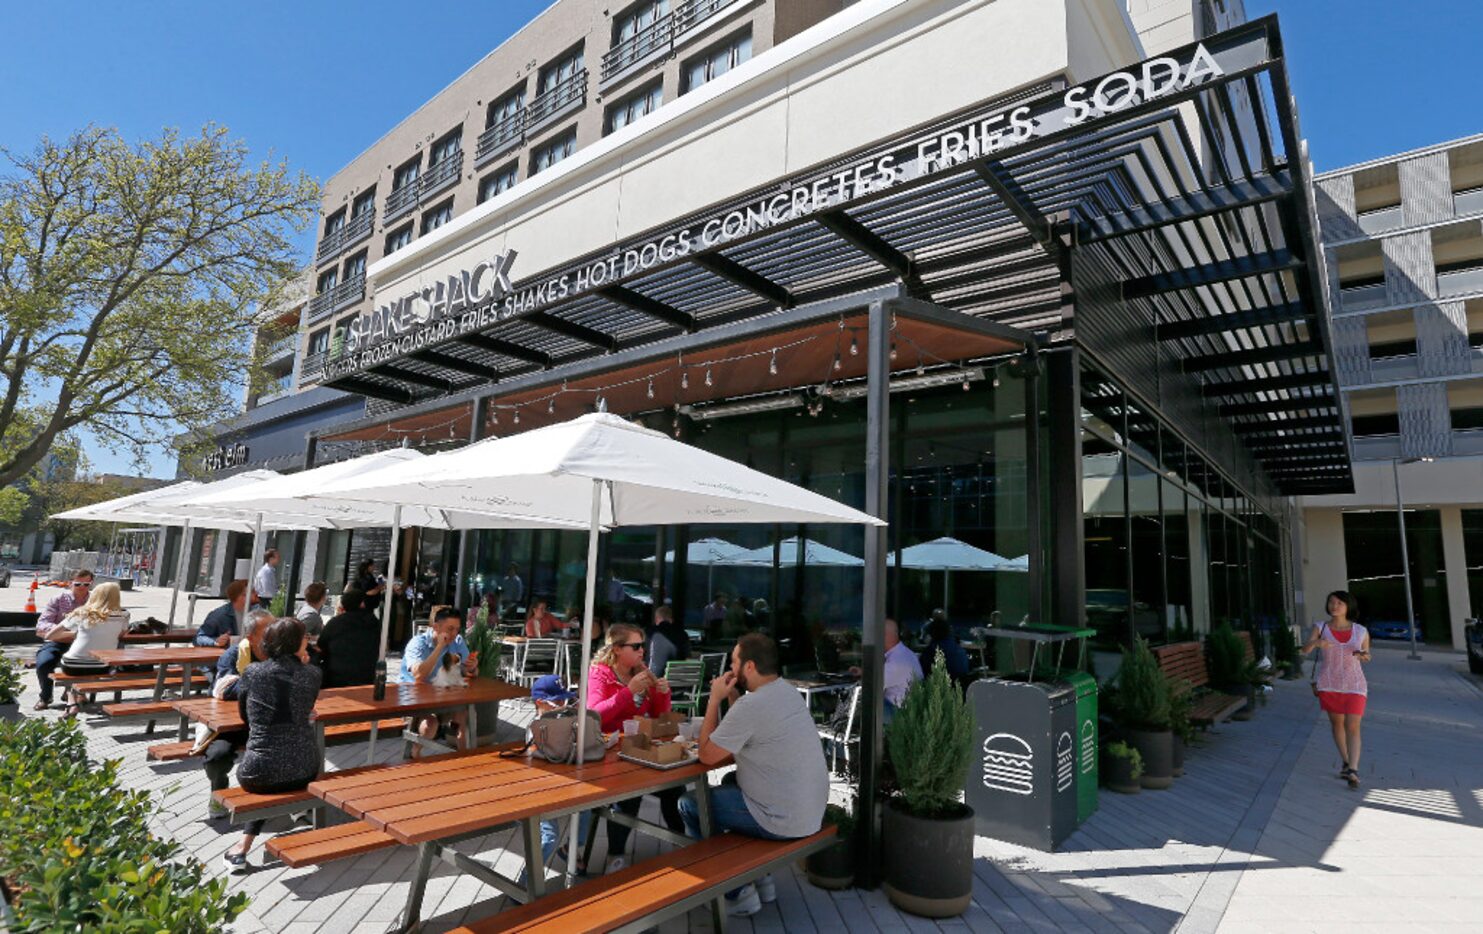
[(873, 624), (1035, 516), (1064, 495)]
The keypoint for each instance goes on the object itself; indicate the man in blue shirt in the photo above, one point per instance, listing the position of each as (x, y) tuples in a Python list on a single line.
[(220, 624), (423, 658)]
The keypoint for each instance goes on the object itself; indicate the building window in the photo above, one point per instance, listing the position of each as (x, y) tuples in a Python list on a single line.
[(637, 18), (496, 182), (355, 266), (319, 342), (554, 151), (398, 239), (327, 280), (445, 148), (641, 103), (406, 174), (334, 222), (560, 70), (716, 61), (363, 202), (437, 217), (506, 107)]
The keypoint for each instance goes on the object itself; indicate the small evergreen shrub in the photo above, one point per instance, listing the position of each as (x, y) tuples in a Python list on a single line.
[(1179, 711), (1227, 657), (930, 740), (11, 684), (1121, 750), (482, 639), (1143, 691)]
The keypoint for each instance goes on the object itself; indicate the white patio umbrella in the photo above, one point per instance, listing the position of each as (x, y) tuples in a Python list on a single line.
[(602, 471), (307, 494), (1020, 564), (709, 553), (814, 553), (948, 554)]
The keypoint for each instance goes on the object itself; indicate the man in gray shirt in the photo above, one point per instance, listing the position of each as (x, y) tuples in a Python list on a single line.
[(782, 783)]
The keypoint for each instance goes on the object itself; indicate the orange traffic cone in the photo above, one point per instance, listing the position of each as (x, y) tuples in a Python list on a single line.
[(31, 597)]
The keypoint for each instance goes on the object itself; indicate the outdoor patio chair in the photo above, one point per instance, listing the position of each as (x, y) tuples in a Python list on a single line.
[(684, 685), (571, 664), (837, 737), (538, 658), (711, 665)]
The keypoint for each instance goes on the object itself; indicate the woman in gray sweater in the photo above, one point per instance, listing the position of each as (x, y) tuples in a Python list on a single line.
[(276, 698)]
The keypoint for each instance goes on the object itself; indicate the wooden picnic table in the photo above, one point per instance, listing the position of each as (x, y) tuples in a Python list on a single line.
[(186, 636), (434, 803), (161, 657), (357, 704)]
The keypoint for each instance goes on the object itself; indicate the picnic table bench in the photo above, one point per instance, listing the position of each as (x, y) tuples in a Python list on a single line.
[(436, 802), (647, 893), (1183, 663), (186, 636)]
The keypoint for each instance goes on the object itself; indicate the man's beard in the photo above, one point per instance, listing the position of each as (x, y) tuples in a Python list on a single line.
[(741, 682)]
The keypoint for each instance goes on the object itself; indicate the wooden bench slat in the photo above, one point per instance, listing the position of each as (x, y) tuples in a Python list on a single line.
[(139, 709), (637, 891), (342, 732), (170, 752), (239, 799), (330, 843), (405, 791)]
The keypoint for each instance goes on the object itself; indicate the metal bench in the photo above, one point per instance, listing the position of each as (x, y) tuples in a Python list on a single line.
[(643, 895)]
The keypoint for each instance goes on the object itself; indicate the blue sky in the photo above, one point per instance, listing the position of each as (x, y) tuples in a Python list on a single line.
[(318, 82)]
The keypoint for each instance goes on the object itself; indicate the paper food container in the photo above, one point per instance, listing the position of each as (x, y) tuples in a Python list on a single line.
[(657, 752), (664, 726)]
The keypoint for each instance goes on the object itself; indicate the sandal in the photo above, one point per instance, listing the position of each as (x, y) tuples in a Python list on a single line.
[(1352, 777), (41, 705)]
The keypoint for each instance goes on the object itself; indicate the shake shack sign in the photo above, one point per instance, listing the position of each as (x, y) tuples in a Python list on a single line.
[(460, 300)]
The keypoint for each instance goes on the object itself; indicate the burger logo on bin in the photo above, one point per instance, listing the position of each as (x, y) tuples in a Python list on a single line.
[(1088, 747), (1065, 762), (1009, 764)]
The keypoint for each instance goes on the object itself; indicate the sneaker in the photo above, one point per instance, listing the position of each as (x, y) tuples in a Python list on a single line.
[(767, 890), (215, 810), (236, 863), (616, 864), (746, 903)]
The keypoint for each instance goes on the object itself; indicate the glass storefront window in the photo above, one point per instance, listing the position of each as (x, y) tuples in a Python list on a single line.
[(1146, 538), (1377, 577), (1177, 616), (1104, 506)]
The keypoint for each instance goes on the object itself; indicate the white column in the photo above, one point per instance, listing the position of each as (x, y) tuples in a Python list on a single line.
[(1454, 558)]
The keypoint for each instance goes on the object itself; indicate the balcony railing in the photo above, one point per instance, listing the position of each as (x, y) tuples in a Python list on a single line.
[(440, 175), (330, 245), (659, 37), (1362, 296), (502, 136), (358, 229), (346, 293), (1460, 281), (313, 365), (402, 200), (1373, 222), (280, 348), (1469, 201), (654, 39), (564, 97)]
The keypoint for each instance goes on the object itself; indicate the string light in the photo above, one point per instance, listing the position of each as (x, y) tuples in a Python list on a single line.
[(651, 387), (684, 379), (854, 346), (837, 364), (893, 350), (551, 406), (772, 365), (708, 376), (517, 414)]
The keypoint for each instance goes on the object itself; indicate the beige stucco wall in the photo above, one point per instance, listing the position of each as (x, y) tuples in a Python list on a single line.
[(1324, 566)]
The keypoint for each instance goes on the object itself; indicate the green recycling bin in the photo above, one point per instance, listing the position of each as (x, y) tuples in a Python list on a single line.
[(1085, 687)]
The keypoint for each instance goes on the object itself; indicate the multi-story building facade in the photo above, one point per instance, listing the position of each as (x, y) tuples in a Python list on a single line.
[(1403, 238), (573, 75)]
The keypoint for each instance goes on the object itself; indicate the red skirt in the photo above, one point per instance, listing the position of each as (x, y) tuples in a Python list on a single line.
[(1336, 702)]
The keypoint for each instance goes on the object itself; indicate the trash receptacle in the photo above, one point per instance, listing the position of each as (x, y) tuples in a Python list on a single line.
[(1085, 687), (1022, 784)]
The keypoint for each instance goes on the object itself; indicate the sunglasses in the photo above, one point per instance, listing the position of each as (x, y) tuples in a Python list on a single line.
[(82, 584), (631, 645)]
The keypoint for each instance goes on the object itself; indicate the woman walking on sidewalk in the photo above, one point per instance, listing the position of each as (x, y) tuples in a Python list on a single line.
[(1340, 682)]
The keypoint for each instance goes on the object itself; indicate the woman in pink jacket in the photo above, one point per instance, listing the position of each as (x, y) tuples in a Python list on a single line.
[(620, 687)]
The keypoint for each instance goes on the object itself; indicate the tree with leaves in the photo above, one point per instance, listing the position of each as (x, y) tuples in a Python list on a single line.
[(129, 276)]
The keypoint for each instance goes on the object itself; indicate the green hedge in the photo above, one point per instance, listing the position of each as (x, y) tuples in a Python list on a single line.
[(76, 850)]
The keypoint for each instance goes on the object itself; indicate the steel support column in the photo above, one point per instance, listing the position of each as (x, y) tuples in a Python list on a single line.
[(873, 625), (1067, 532)]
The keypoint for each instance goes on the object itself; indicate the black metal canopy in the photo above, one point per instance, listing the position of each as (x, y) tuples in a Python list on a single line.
[(1193, 208)]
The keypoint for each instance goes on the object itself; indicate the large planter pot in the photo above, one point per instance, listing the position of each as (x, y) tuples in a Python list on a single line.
[(928, 862), (1157, 749), (488, 717), (1118, 774), (832, 868), (1178, 757)]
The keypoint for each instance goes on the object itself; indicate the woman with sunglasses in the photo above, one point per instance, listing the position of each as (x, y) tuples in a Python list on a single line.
[(620, 687)]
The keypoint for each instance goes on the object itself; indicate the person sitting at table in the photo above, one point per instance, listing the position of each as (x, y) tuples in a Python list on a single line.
[(940, 636), (540, 623), (309, 614), (902, 668), (49, 656), (781, 782), (220, 624), (221, 748), (95, 625), (276, 699), (668, 642), (620, 687), (422, 660), (350, 644)]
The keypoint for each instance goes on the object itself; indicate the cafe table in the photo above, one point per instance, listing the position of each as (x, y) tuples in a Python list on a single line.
[(437, 802), (186, 636), (188, 657), (358, 704)]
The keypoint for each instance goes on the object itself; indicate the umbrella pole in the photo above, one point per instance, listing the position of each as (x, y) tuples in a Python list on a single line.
[(396, 534), (589, 605), (185, 543), (257, 552)]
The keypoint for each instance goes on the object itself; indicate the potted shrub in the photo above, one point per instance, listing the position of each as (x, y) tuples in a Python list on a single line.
[(1179, 723), (927, 829), (483, 639), (1285, 647), (1122, 768), (834, 867), (1143, 703)]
